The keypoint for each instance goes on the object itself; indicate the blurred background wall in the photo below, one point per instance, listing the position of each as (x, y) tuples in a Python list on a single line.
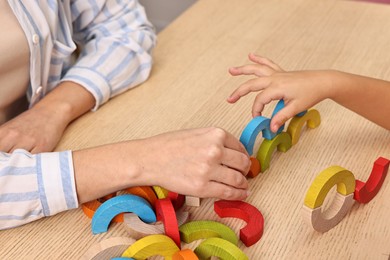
[(162, 12)]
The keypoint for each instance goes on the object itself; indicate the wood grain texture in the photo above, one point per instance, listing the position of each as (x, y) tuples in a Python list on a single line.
[(145, 192), (121, 204), (202, 229), (366, 191), (324, 220), (89, 208), (139, 229), (108, 248), (152, 245), (192, 201), (253, 230), (221, 248), (186, 254), (323, 183), (160, 192), (167, 215), (281, 142), (188, 87), (255, 168), (312, 119)]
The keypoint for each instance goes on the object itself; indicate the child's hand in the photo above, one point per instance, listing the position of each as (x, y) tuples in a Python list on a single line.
[(299, 90), (206, 162)]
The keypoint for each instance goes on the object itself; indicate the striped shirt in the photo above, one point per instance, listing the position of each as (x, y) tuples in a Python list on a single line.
[(115, 39)]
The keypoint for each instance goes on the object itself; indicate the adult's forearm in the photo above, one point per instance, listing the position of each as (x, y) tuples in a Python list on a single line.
[(67, 102), (216, 169), (106, 169)]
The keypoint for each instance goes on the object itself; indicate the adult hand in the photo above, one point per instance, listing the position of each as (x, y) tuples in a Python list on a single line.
[(205, 162), (35, 130), (40, 128)]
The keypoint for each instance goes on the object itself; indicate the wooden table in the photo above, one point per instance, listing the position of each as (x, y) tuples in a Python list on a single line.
[(188, 87)]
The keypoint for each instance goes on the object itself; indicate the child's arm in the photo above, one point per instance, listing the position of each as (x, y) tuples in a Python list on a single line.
[(303, 89)]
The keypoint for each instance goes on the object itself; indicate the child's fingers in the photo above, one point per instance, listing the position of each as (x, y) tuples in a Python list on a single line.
[(259, 70), (282, 116), (262, 60), (251, 85), (263, 99)]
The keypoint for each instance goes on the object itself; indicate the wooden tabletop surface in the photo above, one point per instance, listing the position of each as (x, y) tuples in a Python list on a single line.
[(188, 87)]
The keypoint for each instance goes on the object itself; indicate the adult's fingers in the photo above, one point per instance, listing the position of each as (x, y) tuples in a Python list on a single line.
[(37, 149), (265, 61), (236, 160), (5, 146), (231, 142), (229, 177), (226, 192), (9, 144)]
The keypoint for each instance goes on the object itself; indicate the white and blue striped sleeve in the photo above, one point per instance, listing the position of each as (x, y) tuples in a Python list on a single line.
[(116, 41), (35, 186)]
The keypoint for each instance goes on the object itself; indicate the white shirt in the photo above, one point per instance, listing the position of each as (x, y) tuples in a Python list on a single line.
[(116, 41), (14, 64)]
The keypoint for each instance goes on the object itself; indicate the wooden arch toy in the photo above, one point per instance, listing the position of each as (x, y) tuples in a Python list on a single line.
[(255, 126), (324, 221), (139, 229), (160, 192), (105, 249), (312, 119), (282, 142), (145, 192), (262, 124), (253, 231), (166, 213), (312, 210), (279, 106), (200, 229), (120, 204), (89, 208), (259, 124), (221, 248), (255, 168), (150, 246), (186, 254), (334, 175), (365, 192), (177, 199)]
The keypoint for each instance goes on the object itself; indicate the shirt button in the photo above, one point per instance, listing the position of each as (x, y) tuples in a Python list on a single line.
[(39, 90), (35, 39)]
